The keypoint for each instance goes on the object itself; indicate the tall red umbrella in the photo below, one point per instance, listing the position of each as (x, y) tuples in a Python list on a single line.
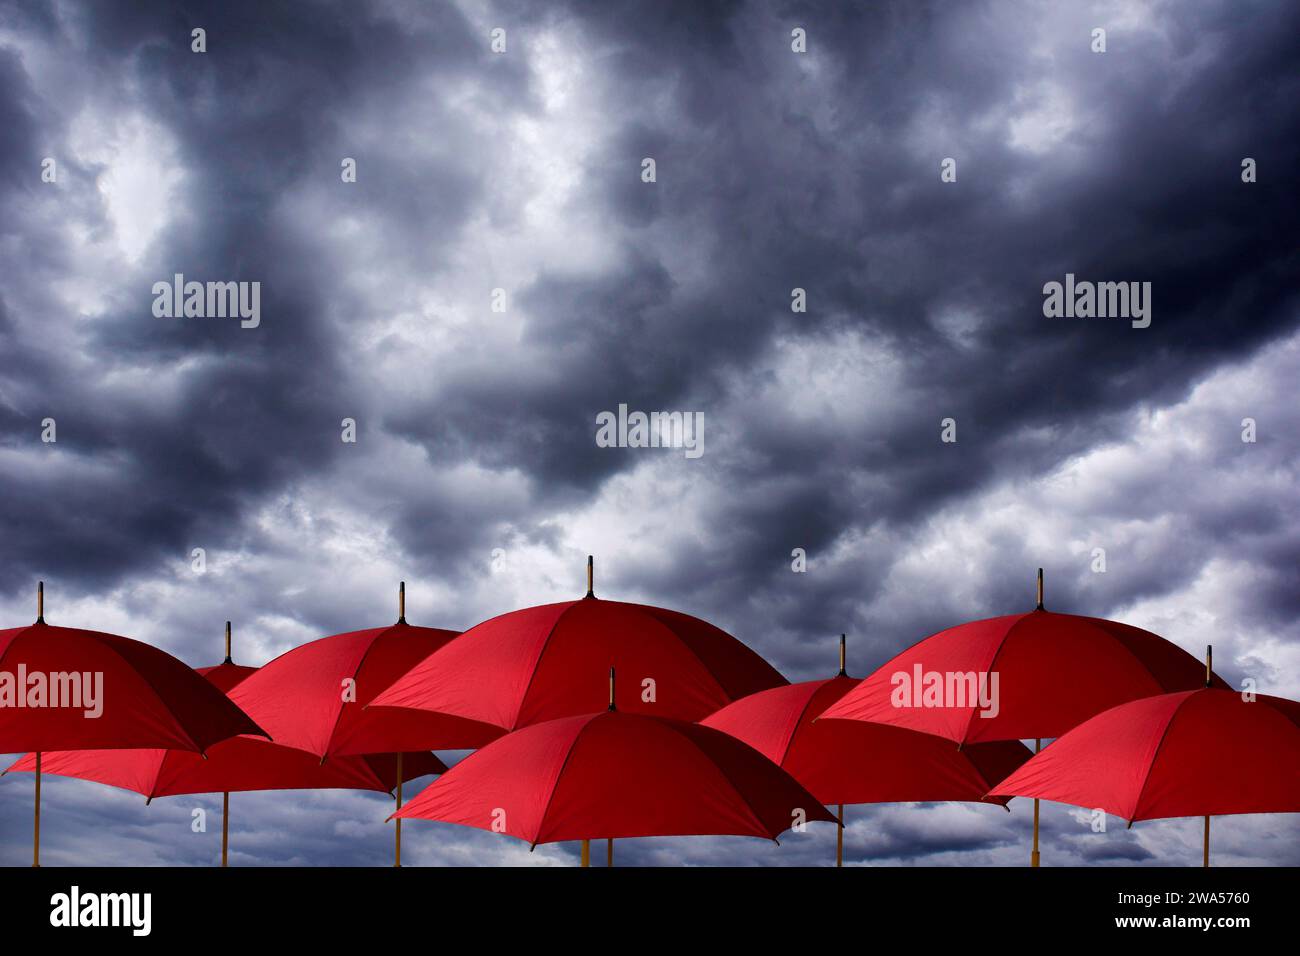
[(63, 688), (1202, 753), (315, 697), (237, 764), (614, 774), (853, 761), (1019, 677), (542, 663)]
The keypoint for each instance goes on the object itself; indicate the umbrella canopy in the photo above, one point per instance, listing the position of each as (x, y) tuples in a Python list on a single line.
[(144, 696), (1193, 753), (851, 761), (315, 697), (64, 688), (547, 662), (612, 774), (1019, 677), (234, 765)]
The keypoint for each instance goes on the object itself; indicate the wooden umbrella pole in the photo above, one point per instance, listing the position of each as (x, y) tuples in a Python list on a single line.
[(401, 603), (36, 833), (591, 576), (586, 853), (397, 858), (609, 842), (36, 828), (1033, 856), (1040, 589), (839, 837), (1209, 679), (225, 828)]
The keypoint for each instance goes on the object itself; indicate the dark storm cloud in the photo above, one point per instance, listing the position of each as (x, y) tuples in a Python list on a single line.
[(250, 119), (775, 170)]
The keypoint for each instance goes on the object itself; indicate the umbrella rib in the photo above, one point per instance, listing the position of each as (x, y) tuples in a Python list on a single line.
[(338, 716), (794, 731), (546, 643), (1155, 755), (1161, 689), (727, 780), (573, 745), (647, 611), (1006, 636), (156, 696)]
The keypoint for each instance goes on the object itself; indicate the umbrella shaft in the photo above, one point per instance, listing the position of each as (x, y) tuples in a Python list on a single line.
[(225, 826), (1038, 744), (839, 837), (36, 831), (1205, 844), (397, 848)]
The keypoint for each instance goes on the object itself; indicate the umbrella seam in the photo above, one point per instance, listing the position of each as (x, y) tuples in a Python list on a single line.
[(21, 631), (1006, 636), (1159, 683), (158, 697), (785, 751), (1146, 778), (643, 610), (546, 643), (338, 716), (573, 745), (673, 726)]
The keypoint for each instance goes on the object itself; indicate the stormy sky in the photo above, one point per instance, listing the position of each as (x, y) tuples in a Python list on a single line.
[(475, 476)]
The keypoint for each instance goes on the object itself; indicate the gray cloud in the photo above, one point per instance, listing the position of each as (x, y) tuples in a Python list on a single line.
[(479, 171)]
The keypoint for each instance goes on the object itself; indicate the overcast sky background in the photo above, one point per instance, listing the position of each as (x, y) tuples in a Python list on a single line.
[(476, 429)]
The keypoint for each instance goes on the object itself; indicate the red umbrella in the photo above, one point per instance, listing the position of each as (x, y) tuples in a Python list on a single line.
[(1018, 677), (546, 662), (852, 761), (63, 688), (614, 774), (237, 764), (315, 697), (1193, 753)]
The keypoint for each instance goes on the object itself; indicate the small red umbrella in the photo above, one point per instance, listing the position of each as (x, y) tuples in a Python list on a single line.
[(1198, 753), (237, 764), (1019, 677), (546, 662), (853, 761), (63, 688), (315, 697), (614, 774)]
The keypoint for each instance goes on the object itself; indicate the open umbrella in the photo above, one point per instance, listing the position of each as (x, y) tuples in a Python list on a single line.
[(1200, 753), (853, 761), (614, 774), (546, 662), (1019, 677), (237, 764), (314, 697), (64, 688)]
